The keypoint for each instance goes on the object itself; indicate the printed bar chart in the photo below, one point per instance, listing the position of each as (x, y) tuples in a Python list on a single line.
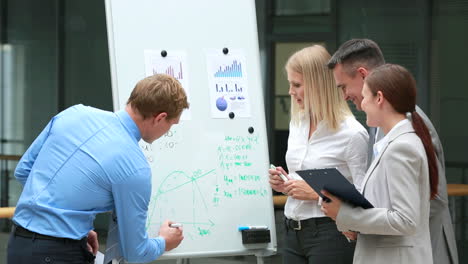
[(170, 71), (225, 88), (233, 70)]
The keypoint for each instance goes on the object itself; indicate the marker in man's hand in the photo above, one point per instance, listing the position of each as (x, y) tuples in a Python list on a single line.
[(175, 225), (284, 178)]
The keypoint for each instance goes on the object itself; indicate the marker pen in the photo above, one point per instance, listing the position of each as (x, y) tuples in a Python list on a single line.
[(175, 225), (252, 227), (284, 178)]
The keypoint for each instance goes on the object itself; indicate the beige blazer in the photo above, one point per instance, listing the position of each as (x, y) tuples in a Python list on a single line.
[(444, 247), (397, 184)]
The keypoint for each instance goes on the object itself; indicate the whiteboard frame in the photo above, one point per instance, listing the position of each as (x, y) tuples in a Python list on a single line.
[(112, 60)]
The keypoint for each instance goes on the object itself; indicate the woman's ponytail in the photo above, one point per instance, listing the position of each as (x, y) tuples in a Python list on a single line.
[(423, 132)]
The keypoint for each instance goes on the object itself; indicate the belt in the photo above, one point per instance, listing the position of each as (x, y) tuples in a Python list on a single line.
[(299, 224), (23, 232)]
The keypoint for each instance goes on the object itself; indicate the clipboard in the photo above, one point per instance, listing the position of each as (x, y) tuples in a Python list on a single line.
[(333, 181)]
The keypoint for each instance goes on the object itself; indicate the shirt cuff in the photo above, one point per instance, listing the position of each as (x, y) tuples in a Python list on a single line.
[(343, 219), (162, 244)]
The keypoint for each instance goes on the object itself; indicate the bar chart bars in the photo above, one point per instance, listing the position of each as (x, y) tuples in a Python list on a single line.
[(232, 70), (228, 88), (170, 71)]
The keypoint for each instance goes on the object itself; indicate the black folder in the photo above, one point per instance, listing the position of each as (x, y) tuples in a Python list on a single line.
[(335, 183)]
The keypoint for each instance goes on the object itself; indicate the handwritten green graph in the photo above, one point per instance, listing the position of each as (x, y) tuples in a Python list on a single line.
[(198, 198), (185, 193)]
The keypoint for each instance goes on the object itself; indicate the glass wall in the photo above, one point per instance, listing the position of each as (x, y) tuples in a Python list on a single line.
[(53, 54), (449, 100), (86, 56), (28, 64)]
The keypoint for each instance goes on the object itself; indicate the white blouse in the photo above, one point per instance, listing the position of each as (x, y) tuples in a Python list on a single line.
[(379, 144), (345, 149)]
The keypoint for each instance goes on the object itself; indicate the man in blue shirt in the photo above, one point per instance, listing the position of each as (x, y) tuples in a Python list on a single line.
[(87, 161)]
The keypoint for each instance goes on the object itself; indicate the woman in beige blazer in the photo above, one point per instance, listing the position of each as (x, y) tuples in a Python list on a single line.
[(400, 181)]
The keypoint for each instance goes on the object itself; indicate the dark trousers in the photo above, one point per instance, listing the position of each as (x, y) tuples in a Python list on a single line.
[(33, 250), (317, 242)]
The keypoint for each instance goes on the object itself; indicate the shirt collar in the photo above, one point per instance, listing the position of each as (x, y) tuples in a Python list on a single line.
[(379, 145), (129, 124), (321, 128)]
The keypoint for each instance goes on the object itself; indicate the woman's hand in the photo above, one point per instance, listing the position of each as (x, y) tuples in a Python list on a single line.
[(276, 182), (300, 190), (332, 207)]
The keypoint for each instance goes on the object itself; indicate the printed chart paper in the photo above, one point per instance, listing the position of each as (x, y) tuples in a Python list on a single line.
[(227, 82), (174, 64)]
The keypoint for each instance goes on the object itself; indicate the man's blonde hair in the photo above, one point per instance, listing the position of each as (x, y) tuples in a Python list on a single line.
[(322, 99), (157, 94)]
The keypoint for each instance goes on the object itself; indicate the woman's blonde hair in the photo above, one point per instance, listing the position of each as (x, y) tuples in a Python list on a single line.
[(323, 101)]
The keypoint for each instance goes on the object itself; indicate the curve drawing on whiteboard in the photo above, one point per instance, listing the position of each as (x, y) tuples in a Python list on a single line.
[(182, 198)]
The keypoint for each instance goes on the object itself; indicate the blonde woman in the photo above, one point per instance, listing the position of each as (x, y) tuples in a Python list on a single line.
[(323, 133)]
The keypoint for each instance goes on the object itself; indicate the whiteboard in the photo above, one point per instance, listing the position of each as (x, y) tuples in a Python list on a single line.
[(210, 170)]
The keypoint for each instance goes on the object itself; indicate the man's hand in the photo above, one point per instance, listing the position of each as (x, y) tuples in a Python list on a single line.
[(300, 190), (351, 235), (276, 182), (172, 235), (332, 207), (93, 243)]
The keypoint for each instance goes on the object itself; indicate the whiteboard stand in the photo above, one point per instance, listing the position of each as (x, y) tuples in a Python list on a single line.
[(187, 261), (261, 254), (260, 260), (183, 261)]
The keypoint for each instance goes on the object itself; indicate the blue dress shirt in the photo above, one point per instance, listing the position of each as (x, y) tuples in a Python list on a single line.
[(87, 161)]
